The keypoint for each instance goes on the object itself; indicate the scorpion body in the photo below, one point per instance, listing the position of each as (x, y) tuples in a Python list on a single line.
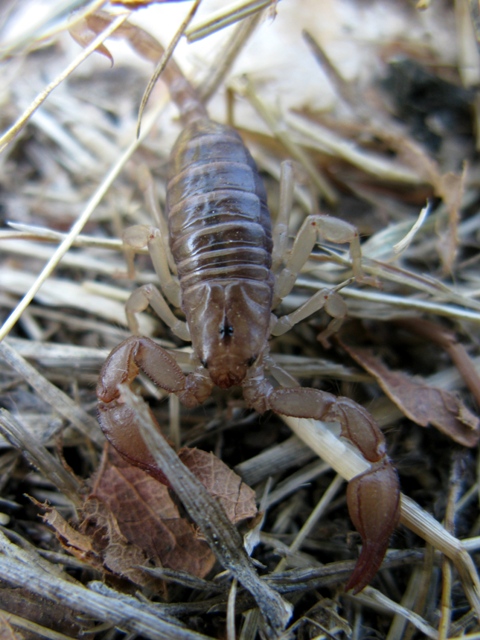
[(220, 238), (221, 241)]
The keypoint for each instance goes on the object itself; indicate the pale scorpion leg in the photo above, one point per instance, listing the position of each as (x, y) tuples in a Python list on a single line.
[(315, 229), (140, 236), (148, 294), (373, 497), (121, 367), (328, 299), (153, 202)]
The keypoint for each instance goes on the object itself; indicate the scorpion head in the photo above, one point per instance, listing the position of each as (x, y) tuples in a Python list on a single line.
[(229, 323)]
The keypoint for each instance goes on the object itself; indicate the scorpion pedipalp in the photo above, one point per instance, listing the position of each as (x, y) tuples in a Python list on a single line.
[(373, 497), (117, 419)]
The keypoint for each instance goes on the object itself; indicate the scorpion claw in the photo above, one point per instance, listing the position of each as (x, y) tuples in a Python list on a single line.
[(373, 500), (118, 422), (373, 497), (117, 419)]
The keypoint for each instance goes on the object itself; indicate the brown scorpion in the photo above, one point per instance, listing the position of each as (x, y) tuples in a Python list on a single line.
[(220, 238)]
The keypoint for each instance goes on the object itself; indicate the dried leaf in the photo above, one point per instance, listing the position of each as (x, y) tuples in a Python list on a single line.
[(116, 554), (237, 498), (448, 341), (147, 518), (72, 540), (420, 402), (129, 521)]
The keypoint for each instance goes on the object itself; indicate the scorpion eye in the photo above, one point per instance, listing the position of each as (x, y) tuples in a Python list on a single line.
[(226, 330)]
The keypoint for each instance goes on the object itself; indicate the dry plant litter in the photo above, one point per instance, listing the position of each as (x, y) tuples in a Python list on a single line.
[(377, 105)]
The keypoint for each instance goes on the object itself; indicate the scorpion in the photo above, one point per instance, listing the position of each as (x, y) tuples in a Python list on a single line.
[(220, 237)]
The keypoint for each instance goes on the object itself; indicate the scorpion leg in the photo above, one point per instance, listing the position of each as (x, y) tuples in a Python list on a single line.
[(318, 228), (373, 497), (140, 236), (328, 299), (121, 367), (148, 294)]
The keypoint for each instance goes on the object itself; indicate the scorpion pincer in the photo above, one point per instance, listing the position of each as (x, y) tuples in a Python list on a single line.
[(220, 238)]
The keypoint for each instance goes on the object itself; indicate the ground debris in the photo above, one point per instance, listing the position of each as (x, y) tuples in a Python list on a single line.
[(377, 105)]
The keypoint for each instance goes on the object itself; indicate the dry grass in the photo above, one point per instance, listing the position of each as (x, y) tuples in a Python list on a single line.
[(74, 176)]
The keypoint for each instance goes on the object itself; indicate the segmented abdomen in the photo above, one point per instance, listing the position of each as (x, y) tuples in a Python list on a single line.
[(218, 218)]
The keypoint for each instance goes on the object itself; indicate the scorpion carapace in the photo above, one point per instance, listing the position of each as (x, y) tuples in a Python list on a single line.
[(221, 241)]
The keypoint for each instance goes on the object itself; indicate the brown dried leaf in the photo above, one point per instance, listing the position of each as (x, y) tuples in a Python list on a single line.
[(72, 540), (421, 403), (116, 553), (147, 518), (448, 341), (129, 521), (237, 498)]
